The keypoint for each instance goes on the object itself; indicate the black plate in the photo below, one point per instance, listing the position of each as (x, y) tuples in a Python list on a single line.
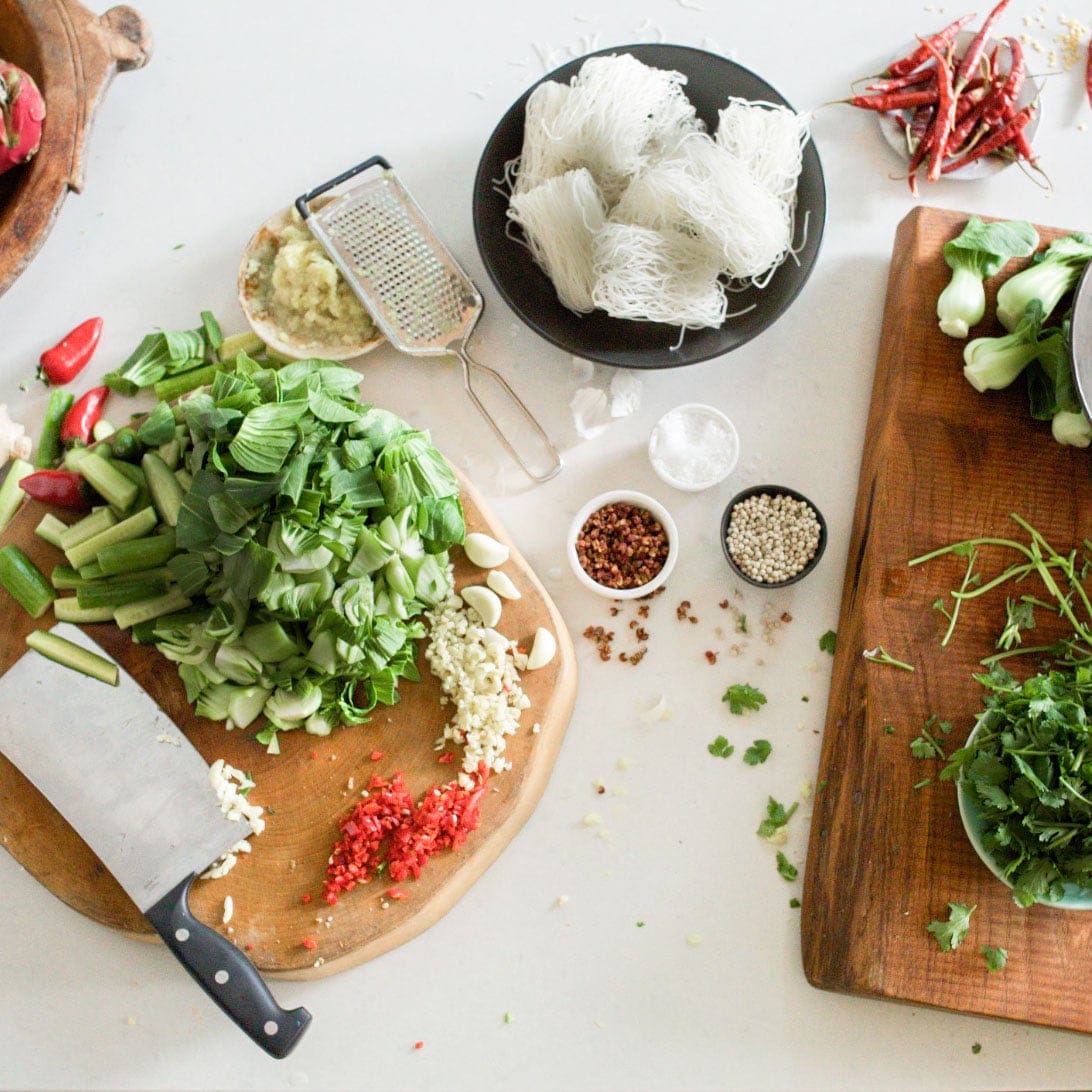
[(711, 81)]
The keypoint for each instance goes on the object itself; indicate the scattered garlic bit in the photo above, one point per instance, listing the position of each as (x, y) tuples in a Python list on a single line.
[(659, 711), (624, 763), (583, 370), (543, 649), (171, 741), (229, 909), (591, 412), (230, 786), (485, 601), (484, 550), (693, 939), (501, 583), (562, 900), (14, 441), (625, 394), (807, 787), (592, 819)]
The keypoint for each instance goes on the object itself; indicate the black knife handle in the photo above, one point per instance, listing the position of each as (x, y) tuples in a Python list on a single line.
[(226, 974)]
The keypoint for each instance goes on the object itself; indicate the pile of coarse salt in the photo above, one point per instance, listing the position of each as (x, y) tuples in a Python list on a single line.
[(476, 667), (693, 447), (231, 786)]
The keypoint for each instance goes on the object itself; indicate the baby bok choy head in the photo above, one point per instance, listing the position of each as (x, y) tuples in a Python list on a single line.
[(1052, 394), (992, 363), (1047, 279), (979, 251)]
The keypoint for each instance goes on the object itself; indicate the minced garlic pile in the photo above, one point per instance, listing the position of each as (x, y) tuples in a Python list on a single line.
[(477, 671)]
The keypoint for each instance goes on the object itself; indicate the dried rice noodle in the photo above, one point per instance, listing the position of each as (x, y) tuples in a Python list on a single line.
[(559, 219), (768, 140), (656, 276), (549, 141)]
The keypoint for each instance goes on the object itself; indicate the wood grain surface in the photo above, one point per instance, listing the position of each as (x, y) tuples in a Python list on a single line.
[(304, 790), (941, 463)]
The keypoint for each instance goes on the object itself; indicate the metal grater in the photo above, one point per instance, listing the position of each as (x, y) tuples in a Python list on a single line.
[(408, 280)]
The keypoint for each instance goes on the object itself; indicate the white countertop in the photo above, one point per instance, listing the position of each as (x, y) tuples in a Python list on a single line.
[(243, 107)]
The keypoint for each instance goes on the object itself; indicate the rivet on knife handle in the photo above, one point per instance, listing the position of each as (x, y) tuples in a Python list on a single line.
[(226, 974)]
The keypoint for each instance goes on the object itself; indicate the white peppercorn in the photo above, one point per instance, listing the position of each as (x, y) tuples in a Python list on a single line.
[(772, 537)]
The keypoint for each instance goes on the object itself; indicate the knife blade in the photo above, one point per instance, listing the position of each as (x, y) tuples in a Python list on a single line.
[(138, 793)]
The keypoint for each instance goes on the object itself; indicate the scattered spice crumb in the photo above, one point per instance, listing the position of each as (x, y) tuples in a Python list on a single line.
[(794, 903), (723, 604), (561, 900), (419, 1045), (376, 756), (509, 1018), (309, 943), (640, 925), (710, 656)]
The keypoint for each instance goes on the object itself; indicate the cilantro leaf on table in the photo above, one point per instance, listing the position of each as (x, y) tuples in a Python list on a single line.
[(720, 747), (828, 641), (951, 933), (995, 958), (777, 815), (758, 752), (785, 868), (740, 696)]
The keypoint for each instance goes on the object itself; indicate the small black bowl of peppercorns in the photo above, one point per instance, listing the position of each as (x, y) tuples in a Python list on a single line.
[(772, 536), (622, 544)]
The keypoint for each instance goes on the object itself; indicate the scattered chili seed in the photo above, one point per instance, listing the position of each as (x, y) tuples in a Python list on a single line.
[(622, 546), (306, 899), (446, 758), (395, 893), (309, 943), (419, 1045), (376, 756)]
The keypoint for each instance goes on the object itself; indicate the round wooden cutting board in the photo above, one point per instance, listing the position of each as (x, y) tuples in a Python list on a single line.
[(305, 790)]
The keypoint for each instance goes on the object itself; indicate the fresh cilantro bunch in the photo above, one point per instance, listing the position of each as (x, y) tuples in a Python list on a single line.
[(1027, 769)]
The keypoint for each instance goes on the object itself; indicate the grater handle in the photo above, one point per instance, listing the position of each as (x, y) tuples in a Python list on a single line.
[(552, 459), (303, 203)]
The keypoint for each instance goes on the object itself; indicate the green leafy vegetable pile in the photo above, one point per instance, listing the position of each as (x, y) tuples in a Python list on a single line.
[(313, 534), (1026, 768)]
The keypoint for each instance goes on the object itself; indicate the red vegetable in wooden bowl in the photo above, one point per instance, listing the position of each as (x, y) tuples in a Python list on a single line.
[(22, 111)]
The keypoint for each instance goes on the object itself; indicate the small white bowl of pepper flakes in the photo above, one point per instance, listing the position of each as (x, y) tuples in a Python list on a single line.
[(772, 536), (622, 545)]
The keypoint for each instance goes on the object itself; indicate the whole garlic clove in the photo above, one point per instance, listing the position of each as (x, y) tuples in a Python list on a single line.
[(487, 603), (502, 584), (484, 551), (543, 649)]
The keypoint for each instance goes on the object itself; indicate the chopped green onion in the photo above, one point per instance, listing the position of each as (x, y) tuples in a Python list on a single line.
[(51, 529)]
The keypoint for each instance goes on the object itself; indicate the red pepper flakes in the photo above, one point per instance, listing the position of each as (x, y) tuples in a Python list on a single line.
[(363, 830), (723, 604), (377, 756), (314, 755), (443, 819), (306, 899), (419, 1045), (309, 943), (395, 893), (446, 758), (710, 656), (249, 947)]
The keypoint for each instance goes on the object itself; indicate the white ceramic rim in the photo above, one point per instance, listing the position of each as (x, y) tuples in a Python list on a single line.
[(706, 411), (269, 331), (1066, 902), (641, 500)]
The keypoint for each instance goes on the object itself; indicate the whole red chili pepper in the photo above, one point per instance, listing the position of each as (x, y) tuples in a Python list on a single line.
[(896, 100), (83, 416), (1007, 134), (911, 81), (64, 488), (1002, 102), (69, 356), (977, 47), (942, 126), (920, 55), (1088, 73)]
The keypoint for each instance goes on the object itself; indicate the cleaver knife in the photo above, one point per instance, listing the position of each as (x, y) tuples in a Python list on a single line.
[(138, 793)]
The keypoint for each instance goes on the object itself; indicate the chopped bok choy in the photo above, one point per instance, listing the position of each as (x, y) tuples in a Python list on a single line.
[(1050, 276)]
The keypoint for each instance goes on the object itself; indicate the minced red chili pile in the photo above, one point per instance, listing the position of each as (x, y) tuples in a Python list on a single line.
[(386, 827), (622, 546)]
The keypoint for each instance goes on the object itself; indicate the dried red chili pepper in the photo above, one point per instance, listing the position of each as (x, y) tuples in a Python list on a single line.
[(919, 56), (1001, 104), (83, 416), (1007, 134), (911, 81), (65, 360), (1088, 73), (896, 100), (945, 116), (64, 488), (977, 47)]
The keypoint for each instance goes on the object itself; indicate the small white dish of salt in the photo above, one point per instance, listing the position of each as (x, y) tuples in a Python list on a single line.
[(693, 447)]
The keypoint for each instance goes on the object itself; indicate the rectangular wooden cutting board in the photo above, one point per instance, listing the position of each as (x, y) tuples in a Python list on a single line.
[(941, 463)]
